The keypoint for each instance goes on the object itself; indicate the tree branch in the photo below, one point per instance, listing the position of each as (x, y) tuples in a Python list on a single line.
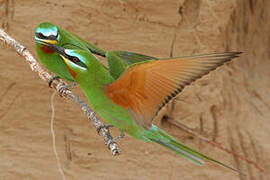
[(58, 86)]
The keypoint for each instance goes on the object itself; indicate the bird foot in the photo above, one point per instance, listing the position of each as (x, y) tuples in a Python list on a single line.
[(114, 140), (63, 88), (52, 79), (104, 126)]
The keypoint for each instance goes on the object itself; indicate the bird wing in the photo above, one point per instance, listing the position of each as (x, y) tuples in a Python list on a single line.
[(119, 61), (143, 89), (131, 57)]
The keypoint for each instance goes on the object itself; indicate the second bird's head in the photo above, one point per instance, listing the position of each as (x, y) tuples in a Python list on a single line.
[(77, 61), (47, 32)]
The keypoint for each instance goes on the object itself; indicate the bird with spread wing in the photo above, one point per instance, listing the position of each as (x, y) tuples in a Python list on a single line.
[(131, 101)]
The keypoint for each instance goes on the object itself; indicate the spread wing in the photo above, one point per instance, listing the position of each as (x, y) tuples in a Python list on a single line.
[(143, 89)]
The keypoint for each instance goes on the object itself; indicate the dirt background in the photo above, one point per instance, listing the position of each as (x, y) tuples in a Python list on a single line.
[(230, 106)]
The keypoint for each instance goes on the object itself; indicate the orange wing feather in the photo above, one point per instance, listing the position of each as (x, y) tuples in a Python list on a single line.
[(145, 88)]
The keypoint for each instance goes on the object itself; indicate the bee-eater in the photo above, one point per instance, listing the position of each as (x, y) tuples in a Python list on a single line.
[(118, 61), (131, 102)]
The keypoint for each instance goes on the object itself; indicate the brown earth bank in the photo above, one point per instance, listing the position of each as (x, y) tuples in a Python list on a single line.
[(230, 106)]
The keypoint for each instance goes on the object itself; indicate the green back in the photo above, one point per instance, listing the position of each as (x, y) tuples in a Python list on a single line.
[(119, 61)]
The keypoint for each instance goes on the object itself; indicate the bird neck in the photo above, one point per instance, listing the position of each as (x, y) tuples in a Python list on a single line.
[(95, 80)]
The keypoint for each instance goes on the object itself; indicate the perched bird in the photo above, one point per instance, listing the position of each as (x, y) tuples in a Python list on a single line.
[(47, 32), (132, 101)]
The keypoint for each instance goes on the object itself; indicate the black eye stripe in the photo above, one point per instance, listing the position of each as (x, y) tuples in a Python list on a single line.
[(50, 37), (40, 35), (77, 61)]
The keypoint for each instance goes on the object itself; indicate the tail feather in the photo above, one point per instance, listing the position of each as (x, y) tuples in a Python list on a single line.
[(161, 137), (188, 156)]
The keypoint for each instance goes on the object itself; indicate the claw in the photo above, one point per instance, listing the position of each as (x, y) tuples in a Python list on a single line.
[(52, 79), (66, 87), (104, 126), (63, 88), (114, 140)]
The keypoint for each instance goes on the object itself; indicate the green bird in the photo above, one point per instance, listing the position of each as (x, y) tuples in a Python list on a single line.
[(131, 102), (118, 61)]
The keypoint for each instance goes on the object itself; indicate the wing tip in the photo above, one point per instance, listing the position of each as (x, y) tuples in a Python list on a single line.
[(228, 54), (236, 54)]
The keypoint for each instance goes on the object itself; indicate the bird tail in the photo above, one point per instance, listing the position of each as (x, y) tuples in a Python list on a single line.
[(159, 136)]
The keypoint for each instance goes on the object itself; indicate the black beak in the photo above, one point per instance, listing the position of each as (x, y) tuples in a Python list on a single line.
[(61, 51), (53, 47)]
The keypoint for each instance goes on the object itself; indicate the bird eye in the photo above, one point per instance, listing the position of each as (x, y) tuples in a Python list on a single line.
[(40, 35), (75, 59)]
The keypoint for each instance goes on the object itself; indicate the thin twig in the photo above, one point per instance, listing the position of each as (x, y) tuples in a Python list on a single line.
[(58, 86)]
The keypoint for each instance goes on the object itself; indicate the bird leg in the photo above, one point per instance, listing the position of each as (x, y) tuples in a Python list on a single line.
[(52, 79), (122, 135)]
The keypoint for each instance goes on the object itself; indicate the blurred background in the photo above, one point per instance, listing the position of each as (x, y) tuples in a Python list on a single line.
[(230, 106)]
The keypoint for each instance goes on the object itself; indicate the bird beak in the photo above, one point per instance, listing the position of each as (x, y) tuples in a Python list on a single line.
[(43, 41), (52, 46), (59, 50)]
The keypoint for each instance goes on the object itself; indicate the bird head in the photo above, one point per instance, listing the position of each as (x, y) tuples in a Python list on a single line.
[(75, 59), (47, 32)]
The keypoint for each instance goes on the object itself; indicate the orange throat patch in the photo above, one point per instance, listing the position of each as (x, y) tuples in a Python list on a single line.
[(46, 50), (73, 74)]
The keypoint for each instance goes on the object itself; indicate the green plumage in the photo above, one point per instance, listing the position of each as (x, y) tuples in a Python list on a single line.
[(119, 61)]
